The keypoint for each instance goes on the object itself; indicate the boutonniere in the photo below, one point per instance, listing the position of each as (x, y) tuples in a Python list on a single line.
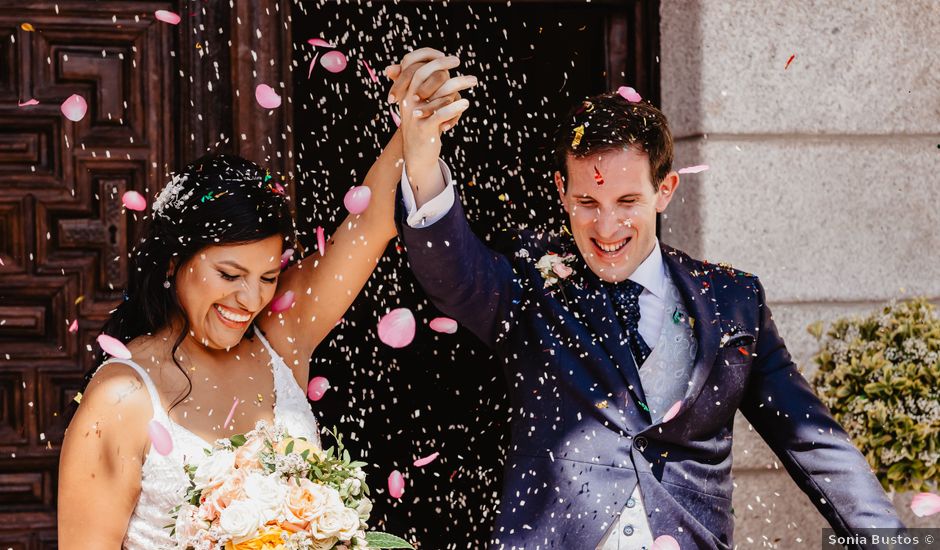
[(554, 267)]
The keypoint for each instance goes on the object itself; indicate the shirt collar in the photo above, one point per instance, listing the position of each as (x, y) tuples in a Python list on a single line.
[(651, 273)]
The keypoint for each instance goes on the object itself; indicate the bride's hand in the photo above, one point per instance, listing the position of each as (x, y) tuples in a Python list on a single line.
[(433, 85)]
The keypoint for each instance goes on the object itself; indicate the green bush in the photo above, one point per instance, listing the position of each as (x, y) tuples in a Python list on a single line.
[(880, 377)]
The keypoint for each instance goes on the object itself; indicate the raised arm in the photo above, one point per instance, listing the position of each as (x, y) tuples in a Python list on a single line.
[(325, 285), (813, 447), (101, 461)]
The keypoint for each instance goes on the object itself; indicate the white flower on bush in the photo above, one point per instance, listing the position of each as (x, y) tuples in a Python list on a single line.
[(241, 520), (364, 509), (554, 267), (214, 468), (352, 486), (268, 493)]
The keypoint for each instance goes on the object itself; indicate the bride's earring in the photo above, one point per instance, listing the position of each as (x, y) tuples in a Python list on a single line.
[(166, 283)]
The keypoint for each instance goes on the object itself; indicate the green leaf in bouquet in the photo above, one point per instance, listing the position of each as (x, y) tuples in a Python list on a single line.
[(305, 454), (346, 457), (238, 440), (358, 464), (290, 447), (375, 539)]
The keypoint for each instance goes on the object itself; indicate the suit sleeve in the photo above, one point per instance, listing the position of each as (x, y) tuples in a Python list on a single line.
[(463, 277), (813, 447)]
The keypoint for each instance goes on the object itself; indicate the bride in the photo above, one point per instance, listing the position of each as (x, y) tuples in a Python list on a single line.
[(203, 335)]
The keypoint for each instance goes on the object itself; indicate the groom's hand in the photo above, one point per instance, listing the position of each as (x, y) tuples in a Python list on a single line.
[(438, 84)]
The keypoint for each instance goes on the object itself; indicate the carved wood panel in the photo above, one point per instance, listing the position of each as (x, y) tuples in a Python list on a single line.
[(64, 235)]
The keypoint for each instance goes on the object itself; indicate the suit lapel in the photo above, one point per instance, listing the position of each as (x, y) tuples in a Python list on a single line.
[(695, 286)]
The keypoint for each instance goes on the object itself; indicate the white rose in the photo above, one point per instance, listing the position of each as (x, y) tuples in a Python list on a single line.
[(350, 524), (331, 521), (214, 468), (268, 493), (241, 520), (364, 509)]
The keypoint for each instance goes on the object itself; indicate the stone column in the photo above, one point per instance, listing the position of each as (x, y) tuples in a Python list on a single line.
[(824, 180)]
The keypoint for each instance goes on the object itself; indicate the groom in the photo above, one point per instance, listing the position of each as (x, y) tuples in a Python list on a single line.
[(626, 359)]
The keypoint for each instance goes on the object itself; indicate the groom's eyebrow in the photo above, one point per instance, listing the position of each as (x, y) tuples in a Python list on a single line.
[(235, 265)]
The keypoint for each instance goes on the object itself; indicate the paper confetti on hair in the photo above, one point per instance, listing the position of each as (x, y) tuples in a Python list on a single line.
[(578, 134), (792, 57), (598, 177)]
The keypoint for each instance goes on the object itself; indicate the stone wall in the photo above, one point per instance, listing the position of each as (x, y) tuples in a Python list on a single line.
[(824, 180)]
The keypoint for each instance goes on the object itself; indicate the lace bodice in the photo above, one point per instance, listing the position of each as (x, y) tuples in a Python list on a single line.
[(163, 481)]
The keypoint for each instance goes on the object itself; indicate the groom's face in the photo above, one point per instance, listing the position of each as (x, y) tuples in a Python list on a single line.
[(612, 206)]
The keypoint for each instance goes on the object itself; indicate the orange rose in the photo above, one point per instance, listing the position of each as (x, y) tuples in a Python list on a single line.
[(268, 539), (247, 457), (306, 500), (217, 499)]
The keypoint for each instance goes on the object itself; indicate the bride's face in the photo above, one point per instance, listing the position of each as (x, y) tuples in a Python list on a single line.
[(223, 288)]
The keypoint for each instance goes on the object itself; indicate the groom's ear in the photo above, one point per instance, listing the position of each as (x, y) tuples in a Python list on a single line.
[(560, 186), (667, 189)]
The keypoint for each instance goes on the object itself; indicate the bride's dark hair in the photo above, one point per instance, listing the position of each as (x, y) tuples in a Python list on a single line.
[(216, 200)]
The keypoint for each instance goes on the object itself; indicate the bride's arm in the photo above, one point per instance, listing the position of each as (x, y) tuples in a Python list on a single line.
[(100, 464)]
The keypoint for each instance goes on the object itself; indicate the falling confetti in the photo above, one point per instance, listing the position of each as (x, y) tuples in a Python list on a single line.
[(231, 414), (629, 94), (286, 256), (160, 437), (313, 63), (598, 177), (167, 17), (396, 484), (421, 462), (283, 302), (267, 97), (113, 347), (357, 199), (372, 75), (397, 328), (673, 411), (665, 542), (787, 66), (320, 42), (321, 241), (74, 326), (74, 108), (444, 325), (693, 169), (334, 61), (28, 103), (395, 117), (578, 134), (132, 200), (925, 504), (317, 387), (28, 27)]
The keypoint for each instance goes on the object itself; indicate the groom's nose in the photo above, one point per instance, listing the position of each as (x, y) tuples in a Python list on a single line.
[(607, 223)]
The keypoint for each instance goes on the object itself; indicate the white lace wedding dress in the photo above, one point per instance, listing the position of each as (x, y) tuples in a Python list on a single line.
[(163, 482)]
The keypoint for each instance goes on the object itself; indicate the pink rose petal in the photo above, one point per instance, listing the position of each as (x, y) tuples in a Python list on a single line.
[(267, 97), (426, 460), (312, 63), (333, 61), (396, 484), (673, 411), (321, 241), (159, 437), (370, 71), (231, 413), (317, 387), (357, 199), (74, 108), (629, 94), (133, 200), (286, 256), (925, 504), (167, 17), (283, 302), (693, 169), (113, 347), (28, 102), (665, 542), (74, 326), (320, 42), (395, 118), (562, 270), (397, 328), (445, 325)]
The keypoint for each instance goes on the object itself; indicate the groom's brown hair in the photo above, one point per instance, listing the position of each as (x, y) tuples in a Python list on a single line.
[(608, 122)]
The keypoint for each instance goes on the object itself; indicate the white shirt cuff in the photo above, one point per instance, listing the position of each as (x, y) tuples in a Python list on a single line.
[(433, 210)]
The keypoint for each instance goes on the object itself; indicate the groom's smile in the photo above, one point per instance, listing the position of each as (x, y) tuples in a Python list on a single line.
[(612, 204)]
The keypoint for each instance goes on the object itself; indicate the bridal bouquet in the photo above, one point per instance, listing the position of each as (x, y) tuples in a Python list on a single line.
[(265, 490)]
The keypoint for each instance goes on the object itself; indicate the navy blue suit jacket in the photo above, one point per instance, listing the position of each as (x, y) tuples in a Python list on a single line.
[(581, 436)]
